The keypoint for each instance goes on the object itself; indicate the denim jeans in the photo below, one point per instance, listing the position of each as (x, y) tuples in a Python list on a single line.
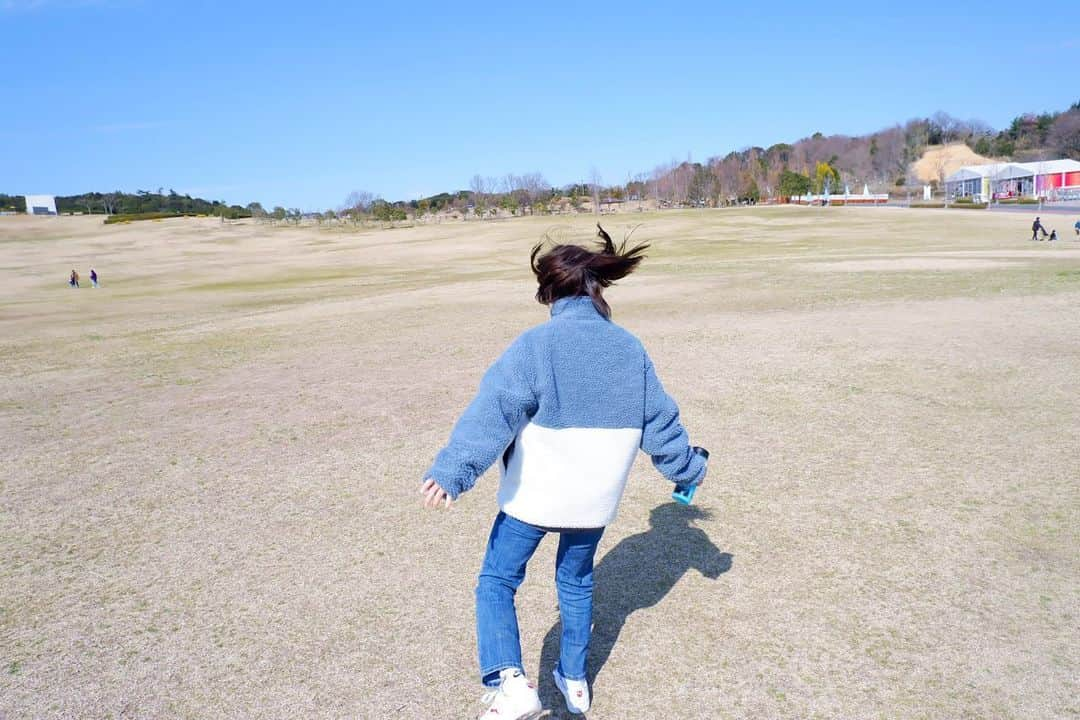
[(511, 544)]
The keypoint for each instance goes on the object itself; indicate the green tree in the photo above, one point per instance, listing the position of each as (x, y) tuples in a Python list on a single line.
[(750, 191), (792, 183), (16, 203)]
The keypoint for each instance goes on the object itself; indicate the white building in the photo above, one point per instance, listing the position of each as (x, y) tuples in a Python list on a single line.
[(41, 205), (1045, 179)]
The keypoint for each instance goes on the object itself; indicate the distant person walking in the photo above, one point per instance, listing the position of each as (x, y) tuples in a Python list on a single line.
[(93, 277), (1036, 227), (1076, 227), (73, 280)]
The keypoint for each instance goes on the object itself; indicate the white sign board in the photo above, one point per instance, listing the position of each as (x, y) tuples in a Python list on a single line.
[(41, 205)]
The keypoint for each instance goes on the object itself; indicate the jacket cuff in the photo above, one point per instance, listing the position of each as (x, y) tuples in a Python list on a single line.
[(696, 468), (453, 486)]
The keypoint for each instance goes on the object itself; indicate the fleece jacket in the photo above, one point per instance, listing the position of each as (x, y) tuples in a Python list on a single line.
[(564, 411)]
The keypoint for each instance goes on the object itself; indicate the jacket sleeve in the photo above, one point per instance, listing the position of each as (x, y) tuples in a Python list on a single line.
[(663, 436), (505, 399)]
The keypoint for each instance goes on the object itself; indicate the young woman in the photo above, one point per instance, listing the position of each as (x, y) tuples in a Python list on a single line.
[(564, 411)]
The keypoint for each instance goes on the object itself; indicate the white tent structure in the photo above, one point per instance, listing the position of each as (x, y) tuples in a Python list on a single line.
[(1046, 179), (40, 204), (1014, 180), (972, 181)]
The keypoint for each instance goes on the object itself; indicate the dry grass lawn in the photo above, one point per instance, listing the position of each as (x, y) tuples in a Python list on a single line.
[(208, 495)]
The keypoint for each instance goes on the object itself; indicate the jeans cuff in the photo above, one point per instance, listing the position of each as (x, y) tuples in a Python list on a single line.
[(558, 668), (495, 671)]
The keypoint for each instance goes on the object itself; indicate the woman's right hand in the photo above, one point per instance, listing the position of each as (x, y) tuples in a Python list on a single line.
[(433, 495)]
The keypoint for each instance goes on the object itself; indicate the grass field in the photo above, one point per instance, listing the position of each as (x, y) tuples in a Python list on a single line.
[(209, 509)]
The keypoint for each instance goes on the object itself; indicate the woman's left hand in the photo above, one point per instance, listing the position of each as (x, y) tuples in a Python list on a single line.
[(433, 495)]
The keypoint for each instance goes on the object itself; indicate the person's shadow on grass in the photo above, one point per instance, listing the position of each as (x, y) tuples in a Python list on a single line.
[(635, 574)]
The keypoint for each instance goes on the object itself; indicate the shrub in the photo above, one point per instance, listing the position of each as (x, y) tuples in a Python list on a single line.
[(968, 205), (1019, 201)]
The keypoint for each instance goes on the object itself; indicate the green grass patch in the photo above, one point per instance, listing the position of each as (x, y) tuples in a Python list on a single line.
[(133, 217), (292, 280)]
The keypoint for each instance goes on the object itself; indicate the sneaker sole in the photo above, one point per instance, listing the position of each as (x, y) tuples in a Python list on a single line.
[(533, 715)]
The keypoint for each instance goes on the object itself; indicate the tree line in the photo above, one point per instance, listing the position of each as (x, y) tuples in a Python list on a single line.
[(882, 161), (138, 203), (146, 201), (819, 163)]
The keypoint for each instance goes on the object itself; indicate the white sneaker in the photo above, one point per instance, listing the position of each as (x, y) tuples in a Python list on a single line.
[(576, 692), (514, 699)]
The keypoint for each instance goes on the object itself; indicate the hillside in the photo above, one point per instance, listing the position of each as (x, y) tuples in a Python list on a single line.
[(940, 161)]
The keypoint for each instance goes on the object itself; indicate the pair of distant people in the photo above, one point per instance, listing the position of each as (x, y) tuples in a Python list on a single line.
[(73, 279)]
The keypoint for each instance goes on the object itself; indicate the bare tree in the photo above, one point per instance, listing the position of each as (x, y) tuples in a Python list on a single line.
[(357, 205), (478, 186), (594, 188), (536, 189), (1064, 135)]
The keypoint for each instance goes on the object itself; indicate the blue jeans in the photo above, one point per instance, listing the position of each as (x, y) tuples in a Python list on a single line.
[(511, 544)]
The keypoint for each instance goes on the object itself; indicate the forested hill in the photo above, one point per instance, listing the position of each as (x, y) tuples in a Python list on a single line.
[(883, 160), (142, 201)]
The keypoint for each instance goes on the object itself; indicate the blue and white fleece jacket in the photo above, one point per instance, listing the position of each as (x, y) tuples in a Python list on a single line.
[(564, 411)]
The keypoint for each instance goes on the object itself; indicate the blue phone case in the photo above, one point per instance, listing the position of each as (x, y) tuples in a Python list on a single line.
[(685, 494)]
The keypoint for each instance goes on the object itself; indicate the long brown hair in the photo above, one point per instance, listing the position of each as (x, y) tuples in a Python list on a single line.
[(574, 271)]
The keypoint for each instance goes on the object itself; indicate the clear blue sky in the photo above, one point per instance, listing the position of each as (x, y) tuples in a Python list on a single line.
[(297, 104)]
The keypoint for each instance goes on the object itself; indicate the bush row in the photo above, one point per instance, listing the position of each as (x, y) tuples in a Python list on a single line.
[(1019, 201), (957, 205), (130, 217)]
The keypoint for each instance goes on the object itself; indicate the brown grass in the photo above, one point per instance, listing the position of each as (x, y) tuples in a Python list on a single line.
[(208, 504), (939, 161)]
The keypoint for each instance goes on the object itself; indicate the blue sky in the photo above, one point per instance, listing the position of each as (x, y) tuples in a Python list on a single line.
[(299, 104)]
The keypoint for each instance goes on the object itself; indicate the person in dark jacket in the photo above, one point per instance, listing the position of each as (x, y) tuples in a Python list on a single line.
[(1036, 227)]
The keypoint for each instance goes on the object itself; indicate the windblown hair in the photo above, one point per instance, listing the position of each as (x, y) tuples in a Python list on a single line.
[(574, 271)]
